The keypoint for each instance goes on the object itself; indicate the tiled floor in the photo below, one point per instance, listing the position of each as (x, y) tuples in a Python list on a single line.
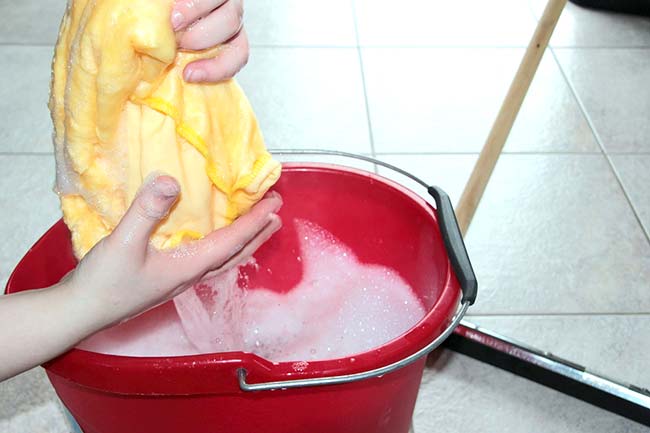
[(560, 240)]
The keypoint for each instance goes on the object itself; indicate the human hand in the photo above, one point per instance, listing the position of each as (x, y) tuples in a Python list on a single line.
[(124, 275), (202, 24)]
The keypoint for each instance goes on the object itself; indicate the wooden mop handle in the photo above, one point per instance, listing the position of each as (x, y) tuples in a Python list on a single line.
[(507, 114)]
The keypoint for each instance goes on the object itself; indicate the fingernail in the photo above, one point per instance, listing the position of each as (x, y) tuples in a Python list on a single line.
[(167, 188), (177, 20), (195, 75), (276, 195), (152, 176)]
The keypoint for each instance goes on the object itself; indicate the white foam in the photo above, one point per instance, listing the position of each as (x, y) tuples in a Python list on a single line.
[(155, 333), (340, 308)]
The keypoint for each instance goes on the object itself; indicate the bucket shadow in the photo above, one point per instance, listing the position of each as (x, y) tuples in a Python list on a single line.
[(437, 360)]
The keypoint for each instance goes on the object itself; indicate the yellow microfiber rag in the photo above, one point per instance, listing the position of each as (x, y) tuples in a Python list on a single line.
[(121, 110)]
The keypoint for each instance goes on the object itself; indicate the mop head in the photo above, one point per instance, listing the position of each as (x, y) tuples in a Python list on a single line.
[(121, 110)]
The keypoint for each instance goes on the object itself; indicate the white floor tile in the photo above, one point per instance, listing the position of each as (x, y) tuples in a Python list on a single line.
[(613, 86), (25, 124), (459, 394), (439, 22), (28, 404), (300, 22), (446, 100), (634, 171), (308, 98), (31, 21), (552, 234), (29, 207), (611, 345)]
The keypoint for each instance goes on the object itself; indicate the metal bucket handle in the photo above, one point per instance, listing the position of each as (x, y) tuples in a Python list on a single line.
[(460, 263)]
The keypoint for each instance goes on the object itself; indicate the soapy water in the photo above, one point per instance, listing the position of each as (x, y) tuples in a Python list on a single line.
[(212, 313), (341, 307)]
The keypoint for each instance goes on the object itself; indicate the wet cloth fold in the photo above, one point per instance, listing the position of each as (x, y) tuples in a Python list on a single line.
[(121, 110)]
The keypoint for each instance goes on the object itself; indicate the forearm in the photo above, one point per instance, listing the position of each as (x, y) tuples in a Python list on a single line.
[(38, 325)]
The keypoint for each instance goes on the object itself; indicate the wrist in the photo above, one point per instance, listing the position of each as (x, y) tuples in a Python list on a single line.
[(85, 313)]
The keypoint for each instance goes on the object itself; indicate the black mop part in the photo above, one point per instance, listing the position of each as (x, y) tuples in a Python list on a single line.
[(627, 400), (634, 7)]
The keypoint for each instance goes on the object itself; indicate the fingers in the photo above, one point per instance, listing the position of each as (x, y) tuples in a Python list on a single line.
[(151, 204), (219, 22), (185, 12), (227, 64), (274, 225), (219, 246), (246, 253), (216, 28)]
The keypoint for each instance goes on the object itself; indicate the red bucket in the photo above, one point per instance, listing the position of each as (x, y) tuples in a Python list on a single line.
[(372, 392)]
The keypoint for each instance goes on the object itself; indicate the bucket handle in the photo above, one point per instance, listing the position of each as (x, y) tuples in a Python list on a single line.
[(458, 257)]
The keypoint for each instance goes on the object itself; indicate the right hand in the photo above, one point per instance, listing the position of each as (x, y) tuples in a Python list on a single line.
[(124, 275), (201, 24)]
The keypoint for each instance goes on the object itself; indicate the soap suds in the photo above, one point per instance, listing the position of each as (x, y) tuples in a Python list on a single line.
[(341, 307)]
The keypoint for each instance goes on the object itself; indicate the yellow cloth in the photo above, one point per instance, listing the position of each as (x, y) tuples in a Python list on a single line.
[(122, 110)]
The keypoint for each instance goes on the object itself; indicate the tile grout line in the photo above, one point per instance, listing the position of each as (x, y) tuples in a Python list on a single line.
[(568, 314), (363, 81), (629, 153), (533, 11), (608, 158)]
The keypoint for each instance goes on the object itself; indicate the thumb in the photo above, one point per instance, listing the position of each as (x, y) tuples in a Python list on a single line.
[(151, 205)]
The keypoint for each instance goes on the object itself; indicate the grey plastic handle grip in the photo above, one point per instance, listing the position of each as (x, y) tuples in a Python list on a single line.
[(454, 244)]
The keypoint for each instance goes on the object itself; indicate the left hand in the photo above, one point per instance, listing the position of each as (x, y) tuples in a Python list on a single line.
[(202, 24)]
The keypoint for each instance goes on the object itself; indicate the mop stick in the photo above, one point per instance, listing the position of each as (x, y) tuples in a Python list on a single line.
[(507, 114)]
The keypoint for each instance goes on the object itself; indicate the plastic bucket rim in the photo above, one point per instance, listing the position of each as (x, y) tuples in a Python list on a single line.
[(390, 352)]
